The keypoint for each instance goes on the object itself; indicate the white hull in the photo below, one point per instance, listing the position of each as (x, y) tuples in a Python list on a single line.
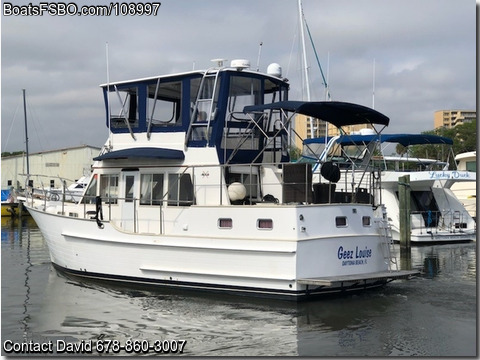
[(466, 192), (206, 198), (451, 222), (271, 265)]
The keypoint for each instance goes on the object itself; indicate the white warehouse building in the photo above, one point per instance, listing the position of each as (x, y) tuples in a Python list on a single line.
[(48, 168)]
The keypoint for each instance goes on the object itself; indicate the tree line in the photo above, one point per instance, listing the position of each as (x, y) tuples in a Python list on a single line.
[(464, 138)]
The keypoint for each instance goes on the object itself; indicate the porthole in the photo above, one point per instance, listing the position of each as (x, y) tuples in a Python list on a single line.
[(225, 223), (366, 221), (341, 221), (265, 224)]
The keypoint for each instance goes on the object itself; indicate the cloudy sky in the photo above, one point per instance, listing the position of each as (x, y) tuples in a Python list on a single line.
[(424, 53)]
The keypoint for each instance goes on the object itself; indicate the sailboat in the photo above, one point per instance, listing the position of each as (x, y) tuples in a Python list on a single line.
[(11, 206)]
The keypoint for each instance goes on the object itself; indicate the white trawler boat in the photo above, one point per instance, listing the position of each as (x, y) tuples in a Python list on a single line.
[(466, 192), (194, 189), (436, 214)]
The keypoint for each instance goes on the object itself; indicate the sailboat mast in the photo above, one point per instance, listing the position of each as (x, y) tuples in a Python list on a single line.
[(26, 130), (304, 51), (305, 63)]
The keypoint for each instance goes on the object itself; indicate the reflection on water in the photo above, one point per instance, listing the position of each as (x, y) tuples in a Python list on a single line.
[(433, 315)]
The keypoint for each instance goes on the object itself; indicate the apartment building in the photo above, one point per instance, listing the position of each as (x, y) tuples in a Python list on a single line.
[(452, 118), (303, 127)]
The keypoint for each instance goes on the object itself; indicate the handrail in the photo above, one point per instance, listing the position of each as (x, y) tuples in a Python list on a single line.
[(258, 189)]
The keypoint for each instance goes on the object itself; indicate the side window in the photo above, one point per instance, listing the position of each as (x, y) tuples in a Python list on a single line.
[(164, 104), (180, 190), (129, 183), (151, 191), (91, 192), (109, 188), (124, 107)]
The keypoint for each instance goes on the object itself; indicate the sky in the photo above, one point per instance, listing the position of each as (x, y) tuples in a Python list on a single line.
[(407, 59)]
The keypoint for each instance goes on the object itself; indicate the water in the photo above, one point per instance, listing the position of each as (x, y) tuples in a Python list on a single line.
[(433, 315)]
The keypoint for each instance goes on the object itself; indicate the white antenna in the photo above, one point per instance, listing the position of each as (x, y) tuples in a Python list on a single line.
[(219, 62), (259, 52), (373, 91), (327, 95), (108, 99)]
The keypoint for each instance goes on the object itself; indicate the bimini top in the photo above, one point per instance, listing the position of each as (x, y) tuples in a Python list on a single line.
[(335, 112), (143, 152), (403, 139)]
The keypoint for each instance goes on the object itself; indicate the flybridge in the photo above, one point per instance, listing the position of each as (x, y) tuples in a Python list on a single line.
[(206, 105)]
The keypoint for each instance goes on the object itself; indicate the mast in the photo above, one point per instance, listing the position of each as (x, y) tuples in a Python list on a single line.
[(373, 92), (305, 63), (26, 130)]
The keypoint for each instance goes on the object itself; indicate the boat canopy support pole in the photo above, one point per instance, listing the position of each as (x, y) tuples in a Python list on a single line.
[(124, 113)]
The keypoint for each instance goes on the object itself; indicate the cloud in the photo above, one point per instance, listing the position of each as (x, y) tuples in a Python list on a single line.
[(424, 53)]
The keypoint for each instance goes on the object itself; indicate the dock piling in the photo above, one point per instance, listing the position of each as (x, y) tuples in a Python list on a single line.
[(405, 227)]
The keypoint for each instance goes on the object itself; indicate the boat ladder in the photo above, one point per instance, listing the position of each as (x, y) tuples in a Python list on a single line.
[(204, 112), (387, 245)]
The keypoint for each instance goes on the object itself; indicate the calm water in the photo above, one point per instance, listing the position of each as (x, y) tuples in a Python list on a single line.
[(433, 315)]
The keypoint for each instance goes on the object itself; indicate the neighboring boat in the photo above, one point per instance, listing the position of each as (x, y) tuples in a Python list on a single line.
[(466, 191), (195, 189), (436, 214), (10, 204), (72, 193)]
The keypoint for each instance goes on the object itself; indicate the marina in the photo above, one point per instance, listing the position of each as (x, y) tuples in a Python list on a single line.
[(434, 314), (435, 213), (196, 208)]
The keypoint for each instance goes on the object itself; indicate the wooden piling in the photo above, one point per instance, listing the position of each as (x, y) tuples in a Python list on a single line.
[(404, 205)]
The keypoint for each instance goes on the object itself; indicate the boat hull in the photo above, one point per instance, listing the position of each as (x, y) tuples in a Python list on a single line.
[(288, 266)]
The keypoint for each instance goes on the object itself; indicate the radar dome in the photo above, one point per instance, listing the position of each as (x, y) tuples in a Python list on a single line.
[(240, 64), (274, 69)]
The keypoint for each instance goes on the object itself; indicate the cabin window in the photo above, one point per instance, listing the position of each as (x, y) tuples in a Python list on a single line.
[(471, 166), (225, 223), (366, 221), (9, 182), (91, 191), (164, 104), (239, 132), (206, 94), (129, 183), (180, 190), (265, 224), (274, 92), (151, 189), (124, 107), (341, 221), (243, 91), (109, 188)]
